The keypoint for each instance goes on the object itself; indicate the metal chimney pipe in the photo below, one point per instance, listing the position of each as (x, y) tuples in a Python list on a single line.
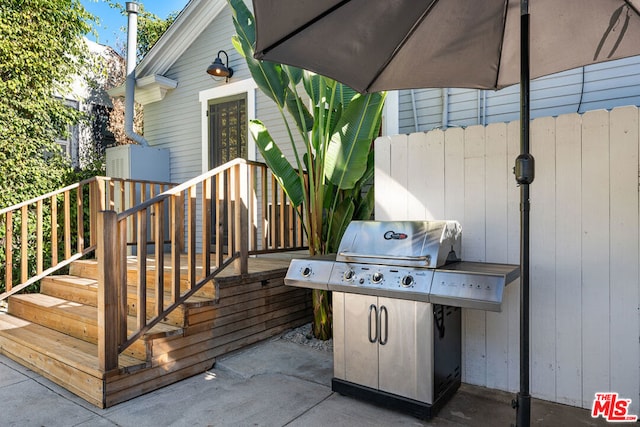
[(132, 36)]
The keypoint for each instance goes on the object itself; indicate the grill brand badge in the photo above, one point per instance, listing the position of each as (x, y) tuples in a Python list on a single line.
[(389, 235), (612, 408)]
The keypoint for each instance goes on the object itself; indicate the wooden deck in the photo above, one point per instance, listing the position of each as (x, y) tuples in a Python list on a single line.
[(55, 332)]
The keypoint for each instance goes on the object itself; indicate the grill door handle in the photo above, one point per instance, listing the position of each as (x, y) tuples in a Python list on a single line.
[(373, 310), (385, 330)]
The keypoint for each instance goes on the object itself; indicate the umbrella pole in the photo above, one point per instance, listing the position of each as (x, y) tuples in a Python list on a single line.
[(524, 171)]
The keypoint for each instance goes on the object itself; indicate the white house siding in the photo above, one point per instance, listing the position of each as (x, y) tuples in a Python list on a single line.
[(607, 85), (175, 122), (585, 250)]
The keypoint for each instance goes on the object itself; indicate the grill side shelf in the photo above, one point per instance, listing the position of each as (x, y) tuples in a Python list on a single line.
[(472, 285), (309, 273)]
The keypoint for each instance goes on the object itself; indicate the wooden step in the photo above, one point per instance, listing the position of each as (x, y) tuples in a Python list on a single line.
[(89, 269), (79, 320), (71, 288), (247, 308), (67, 361), (85, 291)]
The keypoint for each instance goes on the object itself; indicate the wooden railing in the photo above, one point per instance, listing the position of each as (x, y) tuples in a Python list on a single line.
[(208, 223), (40, 236)]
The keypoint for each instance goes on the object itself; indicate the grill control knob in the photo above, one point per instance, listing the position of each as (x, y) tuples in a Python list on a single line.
[(348, 275), (377, 277), (306, 272), (407, 281)]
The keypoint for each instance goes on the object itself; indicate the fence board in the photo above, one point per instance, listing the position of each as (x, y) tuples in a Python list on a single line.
[(417, 189), (623, 185), (384, 188), (454, 175), (595, 254), (454, 197), (434, 164), (568, 296), (542, 247), (496, 187), (474, 248), (398, 209)]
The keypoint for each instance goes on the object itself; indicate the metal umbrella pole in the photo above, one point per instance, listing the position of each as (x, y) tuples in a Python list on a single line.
[(524, 171)]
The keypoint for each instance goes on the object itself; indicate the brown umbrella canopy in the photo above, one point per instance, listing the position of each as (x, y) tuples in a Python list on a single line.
[(376, 45), (398, 44)]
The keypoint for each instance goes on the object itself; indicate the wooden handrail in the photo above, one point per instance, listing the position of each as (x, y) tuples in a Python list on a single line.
[(215, 220), (208, 223), (64, 223)]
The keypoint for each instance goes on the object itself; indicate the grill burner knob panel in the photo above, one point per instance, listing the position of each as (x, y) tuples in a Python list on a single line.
[(407, 281), (391, 281), (348, 275)]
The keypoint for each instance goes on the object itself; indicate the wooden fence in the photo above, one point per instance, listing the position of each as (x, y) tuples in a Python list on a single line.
[(585, 251)]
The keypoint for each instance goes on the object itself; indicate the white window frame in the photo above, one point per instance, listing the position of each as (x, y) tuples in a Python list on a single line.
[(70, 145)]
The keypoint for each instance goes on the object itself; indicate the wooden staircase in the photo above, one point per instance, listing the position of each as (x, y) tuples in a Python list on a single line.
[(84, 332), (54, 332)]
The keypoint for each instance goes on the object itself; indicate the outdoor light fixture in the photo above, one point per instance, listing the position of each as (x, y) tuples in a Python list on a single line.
[(218, 69)]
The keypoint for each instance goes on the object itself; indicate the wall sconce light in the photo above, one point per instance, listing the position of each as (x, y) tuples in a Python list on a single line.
[(218, 69)]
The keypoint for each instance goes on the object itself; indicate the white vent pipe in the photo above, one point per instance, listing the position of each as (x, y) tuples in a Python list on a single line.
[(132, 36)]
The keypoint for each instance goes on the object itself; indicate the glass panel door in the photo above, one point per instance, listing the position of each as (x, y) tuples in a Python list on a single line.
[(227, 141)]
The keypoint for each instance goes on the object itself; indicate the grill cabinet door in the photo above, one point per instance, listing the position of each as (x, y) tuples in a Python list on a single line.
[(361, 355), (406, 348)]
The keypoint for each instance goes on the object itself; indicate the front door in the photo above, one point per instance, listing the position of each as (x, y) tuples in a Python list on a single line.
[(227, 141), (227, 130)]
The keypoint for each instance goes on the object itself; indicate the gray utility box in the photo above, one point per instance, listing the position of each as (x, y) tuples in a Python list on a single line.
[(137, 162)]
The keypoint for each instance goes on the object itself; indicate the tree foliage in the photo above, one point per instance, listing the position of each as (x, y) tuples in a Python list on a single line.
[(150, 28), (41, 49)]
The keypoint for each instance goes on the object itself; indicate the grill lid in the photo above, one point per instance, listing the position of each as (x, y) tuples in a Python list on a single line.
[(428, 244)]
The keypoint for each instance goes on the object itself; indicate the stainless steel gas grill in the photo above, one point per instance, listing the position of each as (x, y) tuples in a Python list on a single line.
[(398, 289)]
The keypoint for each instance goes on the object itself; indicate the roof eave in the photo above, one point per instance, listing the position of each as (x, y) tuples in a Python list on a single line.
[(189, 24)]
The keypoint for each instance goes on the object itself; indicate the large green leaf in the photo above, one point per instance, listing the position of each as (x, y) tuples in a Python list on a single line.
[(326, 97), (295, 73), (273, 79), (286, 175), (340, 219), (366, 206), (299, 112), (345, 94), (346, 158), (269, 76)]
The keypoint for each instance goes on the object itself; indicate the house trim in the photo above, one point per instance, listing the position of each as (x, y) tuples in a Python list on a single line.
[(391, 114), (149, 89), (247, 87)]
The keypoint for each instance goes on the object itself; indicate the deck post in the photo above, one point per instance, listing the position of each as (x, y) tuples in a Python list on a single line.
[(241, 218), (106, 253), (96, 204)]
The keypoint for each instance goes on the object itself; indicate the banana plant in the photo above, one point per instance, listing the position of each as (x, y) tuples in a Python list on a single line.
[(330, 129)]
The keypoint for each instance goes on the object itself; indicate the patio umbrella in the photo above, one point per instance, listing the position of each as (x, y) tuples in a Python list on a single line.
[(375, 45)]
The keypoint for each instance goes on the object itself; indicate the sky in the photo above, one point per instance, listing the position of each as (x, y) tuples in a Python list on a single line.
[(112, 26)]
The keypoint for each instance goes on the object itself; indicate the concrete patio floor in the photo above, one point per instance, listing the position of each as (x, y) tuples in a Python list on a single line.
[(273, 383)]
